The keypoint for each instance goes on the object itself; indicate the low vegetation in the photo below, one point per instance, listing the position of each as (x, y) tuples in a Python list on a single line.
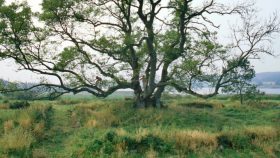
[(185, 127)]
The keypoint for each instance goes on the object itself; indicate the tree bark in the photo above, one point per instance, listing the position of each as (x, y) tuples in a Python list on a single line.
[(140, 101)]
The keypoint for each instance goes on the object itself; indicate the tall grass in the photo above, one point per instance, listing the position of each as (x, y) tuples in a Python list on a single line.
[(194, 141), (187, 127), (17, 140), (23, 130)]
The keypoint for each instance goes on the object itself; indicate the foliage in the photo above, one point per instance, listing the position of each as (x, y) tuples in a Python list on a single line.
[(242, 85), (136, 48)]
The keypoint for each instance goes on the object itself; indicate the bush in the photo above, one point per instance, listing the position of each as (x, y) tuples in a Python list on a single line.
[(148, 142), (130, 143), (19, 105), (155, 143), (110, 136), (6, 101), (95, 146), (108, 148)]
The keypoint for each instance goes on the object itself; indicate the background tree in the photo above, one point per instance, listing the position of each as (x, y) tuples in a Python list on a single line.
[(241, 84), (122, 42)]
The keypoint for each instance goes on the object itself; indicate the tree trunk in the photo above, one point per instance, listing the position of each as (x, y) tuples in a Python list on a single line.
[(241, 97), (142, 102)]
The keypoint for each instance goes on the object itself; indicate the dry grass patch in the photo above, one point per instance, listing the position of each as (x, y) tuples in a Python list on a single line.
[(267, 148), (105, 118), (18, 139), (39, 130), (39, 153), (75, 120), (25, 123), (4, 107), (263, 133), (176, 108), (194, 141), (151, 153), (8, 126), (121, 132), (96, 105), (141, 133), (91, 123), (120, 149), (217, 105)]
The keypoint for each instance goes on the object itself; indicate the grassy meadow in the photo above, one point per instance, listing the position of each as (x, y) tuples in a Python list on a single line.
[(84, 127)]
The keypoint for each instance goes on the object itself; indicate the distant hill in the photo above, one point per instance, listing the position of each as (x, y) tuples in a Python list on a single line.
[(267, 79)]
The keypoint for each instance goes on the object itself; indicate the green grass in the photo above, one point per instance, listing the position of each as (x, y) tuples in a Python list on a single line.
[(186, 127)]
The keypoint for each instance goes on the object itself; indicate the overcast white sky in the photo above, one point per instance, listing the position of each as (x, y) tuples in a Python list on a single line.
[(8, 70)]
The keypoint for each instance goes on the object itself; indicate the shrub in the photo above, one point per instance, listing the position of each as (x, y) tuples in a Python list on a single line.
[(130, 143), (146, 143), (19, 105), (154, 142), (95, 146), (234, 140), (108, 148), (110, 136)]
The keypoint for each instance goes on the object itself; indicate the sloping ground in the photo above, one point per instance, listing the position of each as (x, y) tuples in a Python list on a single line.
[(111, 128)]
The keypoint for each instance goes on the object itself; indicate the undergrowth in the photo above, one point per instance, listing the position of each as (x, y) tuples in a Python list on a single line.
[(187, 127)]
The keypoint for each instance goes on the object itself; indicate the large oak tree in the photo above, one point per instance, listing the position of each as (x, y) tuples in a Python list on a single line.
[(101, 46)]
